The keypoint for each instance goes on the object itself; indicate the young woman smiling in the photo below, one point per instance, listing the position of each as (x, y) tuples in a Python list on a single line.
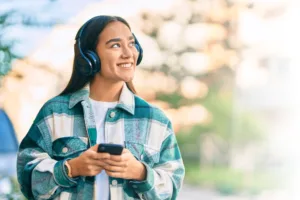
[(58, 158)]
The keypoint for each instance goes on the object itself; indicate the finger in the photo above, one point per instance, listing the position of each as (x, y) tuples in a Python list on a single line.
[(117, 158), (94, 148), (94, 170), (125, 151), (114, 174), (101, 163), (91, 154), (96, 163), (97, 168), (103, 156), (99, 156), (114, 163), (114, 168)]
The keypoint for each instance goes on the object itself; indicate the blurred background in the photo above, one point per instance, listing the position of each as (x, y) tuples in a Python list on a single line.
[(226, 72)]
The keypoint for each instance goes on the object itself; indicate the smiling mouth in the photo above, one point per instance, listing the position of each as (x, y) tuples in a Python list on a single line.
[(125, 65)]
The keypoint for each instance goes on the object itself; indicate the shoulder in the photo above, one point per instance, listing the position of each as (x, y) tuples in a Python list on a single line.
[(56, 105), (145, 109), (58, 102)]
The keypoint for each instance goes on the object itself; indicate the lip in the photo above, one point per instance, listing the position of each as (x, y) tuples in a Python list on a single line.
[(125, 63)]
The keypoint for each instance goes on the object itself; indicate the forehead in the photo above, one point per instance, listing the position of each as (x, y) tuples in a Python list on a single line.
[(115, 30)]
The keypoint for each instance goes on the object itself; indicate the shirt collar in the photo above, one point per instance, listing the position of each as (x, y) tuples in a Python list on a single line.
[(126, 99)]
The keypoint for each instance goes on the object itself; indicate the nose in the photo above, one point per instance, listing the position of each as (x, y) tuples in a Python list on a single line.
[(126, 52)]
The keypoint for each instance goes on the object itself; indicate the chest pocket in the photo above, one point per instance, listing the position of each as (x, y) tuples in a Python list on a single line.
[(69, 147), (143, 152)]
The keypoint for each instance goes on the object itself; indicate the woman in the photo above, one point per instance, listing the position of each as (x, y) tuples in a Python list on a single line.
[(58, 157)]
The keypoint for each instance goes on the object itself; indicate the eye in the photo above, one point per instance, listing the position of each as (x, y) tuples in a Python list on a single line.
[(115, 45), (132, 44)]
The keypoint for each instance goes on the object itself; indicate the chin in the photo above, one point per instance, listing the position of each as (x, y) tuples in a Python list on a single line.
[(128, 79)]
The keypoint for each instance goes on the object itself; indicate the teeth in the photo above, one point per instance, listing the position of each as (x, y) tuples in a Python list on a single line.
[(127, 65)]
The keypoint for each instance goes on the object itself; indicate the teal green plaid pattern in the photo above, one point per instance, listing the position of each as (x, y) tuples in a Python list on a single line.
[(65, 127)]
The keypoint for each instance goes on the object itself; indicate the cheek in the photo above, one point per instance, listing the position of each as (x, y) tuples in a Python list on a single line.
[(108, 61), (135, 54)]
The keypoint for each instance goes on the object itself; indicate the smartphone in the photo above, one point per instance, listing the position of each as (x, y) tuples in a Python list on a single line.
[(114, 149)]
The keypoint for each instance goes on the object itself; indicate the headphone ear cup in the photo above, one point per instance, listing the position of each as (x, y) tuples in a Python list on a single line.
[(83, 65), (139, 49), (94, 60)]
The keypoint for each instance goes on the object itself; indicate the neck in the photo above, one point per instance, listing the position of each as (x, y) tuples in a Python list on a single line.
[(103, 90)]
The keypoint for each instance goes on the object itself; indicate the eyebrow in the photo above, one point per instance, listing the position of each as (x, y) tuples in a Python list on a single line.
[(118, 39)]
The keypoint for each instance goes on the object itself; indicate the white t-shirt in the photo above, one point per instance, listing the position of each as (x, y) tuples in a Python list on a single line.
[(102, 180)]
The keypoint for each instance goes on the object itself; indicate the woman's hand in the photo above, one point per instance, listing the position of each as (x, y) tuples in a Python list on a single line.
[(125, 166), (89, 163)]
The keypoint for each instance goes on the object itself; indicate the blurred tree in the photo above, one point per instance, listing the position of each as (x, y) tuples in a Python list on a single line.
[(227, 129), (9, 19), (6, 54)]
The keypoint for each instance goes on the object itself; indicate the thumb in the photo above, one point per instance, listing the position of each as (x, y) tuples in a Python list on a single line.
[(95, 148)]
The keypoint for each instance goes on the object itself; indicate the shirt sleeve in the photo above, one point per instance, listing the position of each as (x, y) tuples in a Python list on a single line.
[(40, 176), (165, 178)]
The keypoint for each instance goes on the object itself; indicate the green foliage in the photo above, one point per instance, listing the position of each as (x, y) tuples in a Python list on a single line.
[(238, 128), (234, 130), (229, 181), (224, 121), (6, 54), (174, 99), (188, 140), (219, 104)]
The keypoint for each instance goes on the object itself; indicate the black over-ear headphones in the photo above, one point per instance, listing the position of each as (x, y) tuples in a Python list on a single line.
[(87, 61)]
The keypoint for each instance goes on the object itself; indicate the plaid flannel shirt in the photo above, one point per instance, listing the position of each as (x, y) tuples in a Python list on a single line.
[(65, 127)]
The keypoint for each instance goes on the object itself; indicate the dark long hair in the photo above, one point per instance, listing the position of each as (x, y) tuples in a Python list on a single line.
[(77, 80)]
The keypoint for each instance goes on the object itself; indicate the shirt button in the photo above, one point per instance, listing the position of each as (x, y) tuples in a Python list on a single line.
[(112, 114), (114, 182), (65, 150)]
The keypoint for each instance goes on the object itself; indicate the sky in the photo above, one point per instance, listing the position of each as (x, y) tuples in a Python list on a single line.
[(44, 11)]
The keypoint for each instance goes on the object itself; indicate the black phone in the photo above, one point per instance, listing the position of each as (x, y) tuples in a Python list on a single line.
[(114, 149)]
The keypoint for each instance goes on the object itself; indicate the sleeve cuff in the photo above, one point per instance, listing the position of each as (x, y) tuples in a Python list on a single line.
[(61, 177), (147, 184)]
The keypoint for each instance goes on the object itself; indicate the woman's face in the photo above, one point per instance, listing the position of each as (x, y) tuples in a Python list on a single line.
[(117, 52)]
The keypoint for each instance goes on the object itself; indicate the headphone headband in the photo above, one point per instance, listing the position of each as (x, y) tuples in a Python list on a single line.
[(80, 31)]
